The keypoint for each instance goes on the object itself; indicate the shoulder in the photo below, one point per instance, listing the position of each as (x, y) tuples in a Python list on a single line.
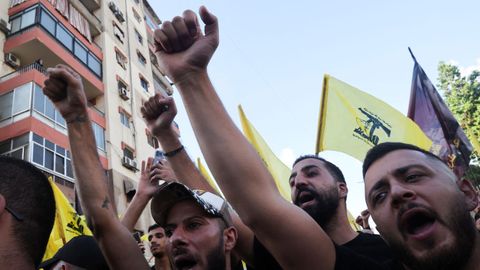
[(366, 238), (347, 258)]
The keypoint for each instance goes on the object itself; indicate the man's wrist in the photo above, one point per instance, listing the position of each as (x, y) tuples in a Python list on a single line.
[(143, 196), (192, 77), (77, 118)]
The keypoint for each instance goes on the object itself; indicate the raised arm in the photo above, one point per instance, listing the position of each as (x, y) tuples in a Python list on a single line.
[(294, 239), (159, 113), (64, 87), (145, 190)]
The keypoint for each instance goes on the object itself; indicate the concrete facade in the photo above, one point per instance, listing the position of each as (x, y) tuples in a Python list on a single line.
[(41, 36)]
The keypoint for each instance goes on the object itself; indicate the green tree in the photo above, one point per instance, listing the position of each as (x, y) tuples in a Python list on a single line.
[(462, 95), (473, 174)]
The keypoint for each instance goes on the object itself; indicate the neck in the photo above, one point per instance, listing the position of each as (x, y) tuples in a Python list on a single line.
[(14, 259), (339, 229), (162, 263), (474, 260)]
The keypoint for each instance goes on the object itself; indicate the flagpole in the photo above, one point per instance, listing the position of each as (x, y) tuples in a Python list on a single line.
[(413, 56)]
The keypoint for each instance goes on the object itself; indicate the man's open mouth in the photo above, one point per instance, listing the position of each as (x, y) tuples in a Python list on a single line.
[(184, 261), (417, 222), (304, 197)]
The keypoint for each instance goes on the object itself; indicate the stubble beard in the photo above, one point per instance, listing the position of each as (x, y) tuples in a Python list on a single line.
[(324, 207), (454, 256)]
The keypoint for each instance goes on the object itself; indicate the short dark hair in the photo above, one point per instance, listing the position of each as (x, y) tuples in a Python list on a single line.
[(153, 227), (383, 149), (27, 192), (331, 168)]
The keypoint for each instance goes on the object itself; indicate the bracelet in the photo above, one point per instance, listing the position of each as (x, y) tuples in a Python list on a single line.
[(174, 152)]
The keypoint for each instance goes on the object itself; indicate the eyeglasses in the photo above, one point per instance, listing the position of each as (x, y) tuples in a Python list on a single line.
[(14, 214)]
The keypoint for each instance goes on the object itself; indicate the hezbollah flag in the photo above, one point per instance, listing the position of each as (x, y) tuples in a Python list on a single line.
[(68, 224), (279, 171), (352, 121)]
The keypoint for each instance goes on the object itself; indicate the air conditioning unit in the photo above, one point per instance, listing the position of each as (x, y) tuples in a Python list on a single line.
[(12, 60), (4, 26), (129, 163), (123, 93)]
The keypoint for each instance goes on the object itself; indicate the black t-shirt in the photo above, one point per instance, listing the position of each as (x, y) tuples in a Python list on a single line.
[(366, 251)]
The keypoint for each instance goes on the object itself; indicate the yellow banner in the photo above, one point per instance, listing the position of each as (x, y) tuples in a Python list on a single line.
[(279, 171), (352, 121), (68, 224), (203, 170)]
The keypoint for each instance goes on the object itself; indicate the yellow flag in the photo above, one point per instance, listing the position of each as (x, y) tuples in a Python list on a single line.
[(352, 121), (203, 170), (279, 171), (68, 224), (351, 221)]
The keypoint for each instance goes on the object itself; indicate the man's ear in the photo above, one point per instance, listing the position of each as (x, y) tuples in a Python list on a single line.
[(230, 238), (471, 196), (342, 190)]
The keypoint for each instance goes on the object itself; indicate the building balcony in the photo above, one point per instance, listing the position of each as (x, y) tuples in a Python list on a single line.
[(91, 5), (37, 35)]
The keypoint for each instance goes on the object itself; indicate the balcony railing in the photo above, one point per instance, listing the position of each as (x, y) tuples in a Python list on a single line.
[(24, 69)]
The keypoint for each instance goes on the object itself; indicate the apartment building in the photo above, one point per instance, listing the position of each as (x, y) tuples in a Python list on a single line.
[(110, 44)]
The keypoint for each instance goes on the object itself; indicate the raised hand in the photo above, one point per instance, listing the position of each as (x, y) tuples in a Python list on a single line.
[(183, 48), (146, 186), (159, 113), (162, 171), (65, 89)]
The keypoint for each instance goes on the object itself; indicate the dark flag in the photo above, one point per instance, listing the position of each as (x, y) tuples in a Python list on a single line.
[(432, 115)]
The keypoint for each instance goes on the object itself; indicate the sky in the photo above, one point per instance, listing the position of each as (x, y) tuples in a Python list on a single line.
[(273, 54)]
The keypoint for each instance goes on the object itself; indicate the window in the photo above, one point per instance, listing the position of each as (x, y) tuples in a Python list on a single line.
[(21, 100), (51, 156), (6, 105), (139, 37), (128, 153), (141, 58), (28, 18), (122, 89), (15, 102), (121, 58), (153, 58), (99, 133), (125, 119), (152, 141), (94, 64), (117, 32), (80, 52), (47, 22), (135, 14), (15, 24), (144, 84), (150, 23), (45, 107), (15, 147), (64, 37)]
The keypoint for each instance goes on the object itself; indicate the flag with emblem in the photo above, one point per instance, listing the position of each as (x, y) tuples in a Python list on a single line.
[(352, 121), (68, 224)]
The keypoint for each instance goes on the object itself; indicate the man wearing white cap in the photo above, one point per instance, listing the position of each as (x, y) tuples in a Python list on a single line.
[(198, 225)]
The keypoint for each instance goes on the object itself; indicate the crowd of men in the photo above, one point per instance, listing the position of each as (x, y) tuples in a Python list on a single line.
[(422, 210)]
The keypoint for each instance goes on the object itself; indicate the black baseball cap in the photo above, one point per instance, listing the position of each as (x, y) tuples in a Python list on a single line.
[(82, 251)]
